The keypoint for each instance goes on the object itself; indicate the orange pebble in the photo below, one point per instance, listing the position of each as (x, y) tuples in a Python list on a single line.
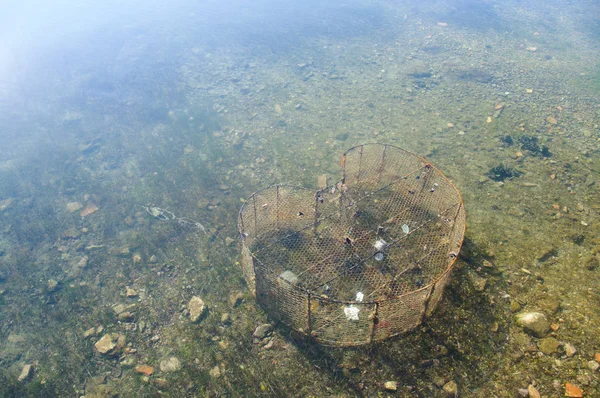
[(571, 390)]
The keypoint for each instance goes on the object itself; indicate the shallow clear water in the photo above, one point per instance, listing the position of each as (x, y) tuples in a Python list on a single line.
[(131, 135)]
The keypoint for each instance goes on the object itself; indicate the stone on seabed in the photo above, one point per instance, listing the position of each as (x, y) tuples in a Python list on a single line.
[(534, 322)]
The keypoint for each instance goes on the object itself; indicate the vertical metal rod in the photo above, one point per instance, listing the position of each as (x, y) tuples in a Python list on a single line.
[(308, 314), (317, 214), (373, 324), (426, 303), (381, 164), (277, 208), (255, 216), (360, 152)]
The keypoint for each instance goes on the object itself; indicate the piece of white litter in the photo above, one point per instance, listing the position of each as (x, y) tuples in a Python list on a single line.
[(351, 313), (359, 296), (380, 244), (405, 228)]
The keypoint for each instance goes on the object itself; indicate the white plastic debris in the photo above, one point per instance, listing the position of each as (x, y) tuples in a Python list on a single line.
[(405, 228), (380, 244), (351, 313), (289, 277), (360, 296)]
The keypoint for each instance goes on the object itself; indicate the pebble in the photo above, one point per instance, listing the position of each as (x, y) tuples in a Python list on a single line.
[(515, 306), (523, 392), (125, 316), (571, 390), (197, 308), (145, 370), (72, 207), (451, 389), (391, 385), (26, 373), (160, 383), (593, 365), (171, 364), (533, 392), (570, 349), (236, 298), (89, 209), (110, 344), (52, 285), (89, 333), (548, 345), (215, 372), (535, 323), (262, 332), (226, 319)]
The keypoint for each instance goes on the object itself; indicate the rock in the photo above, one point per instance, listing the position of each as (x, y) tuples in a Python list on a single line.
[(197, 309), (160, 383), (226, 319), (144, 369), (262, 332), (72, 207), (89, 333), (548, 345), (229, 241), (128, 361), (236, 298), (571, 390), (88, 209), (593, 365), (71, 233), (418, 69), (533, 392), (171, 364), (26, 373), (391, 385), (125, 316), (570, 349), (129, 292), (591, 262), (215, 372), (119, 308), (52, 285), (551, 120), (6, 203), (535, 323), (515, 306), (451, 389), (523, 392), (110, 344)]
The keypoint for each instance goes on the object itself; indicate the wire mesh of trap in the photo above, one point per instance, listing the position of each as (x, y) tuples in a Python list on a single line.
[(360, 261)]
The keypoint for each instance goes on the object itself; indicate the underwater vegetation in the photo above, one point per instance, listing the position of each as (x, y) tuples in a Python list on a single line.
[(502, 172)]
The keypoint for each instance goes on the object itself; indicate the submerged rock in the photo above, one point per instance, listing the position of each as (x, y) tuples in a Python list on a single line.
[(171, 364), (197, 309), (110, 344), (262, 332), (26, 373), (535, 323)]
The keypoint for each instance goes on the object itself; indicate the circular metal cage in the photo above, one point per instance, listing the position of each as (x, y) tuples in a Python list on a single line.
[(362, 260)]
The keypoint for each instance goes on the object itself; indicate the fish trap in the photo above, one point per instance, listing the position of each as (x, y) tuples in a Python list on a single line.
[(361, 261)]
